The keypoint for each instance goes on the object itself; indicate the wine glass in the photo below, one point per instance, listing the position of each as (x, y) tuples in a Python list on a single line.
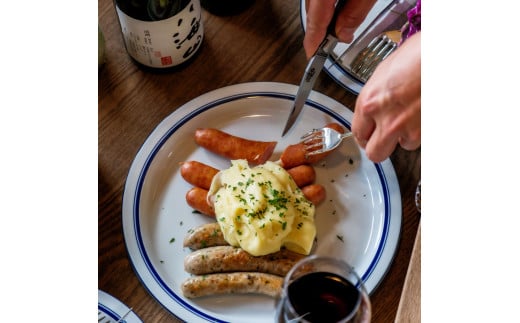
[(418, 196), (323, 289)]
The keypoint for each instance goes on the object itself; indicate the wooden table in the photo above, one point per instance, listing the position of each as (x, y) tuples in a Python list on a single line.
[(263, 43)]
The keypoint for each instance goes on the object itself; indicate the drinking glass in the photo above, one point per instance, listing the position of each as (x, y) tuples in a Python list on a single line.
[(418, 196), (323, 289)]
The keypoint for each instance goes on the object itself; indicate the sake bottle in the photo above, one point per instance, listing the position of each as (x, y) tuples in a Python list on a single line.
[(160, 34)]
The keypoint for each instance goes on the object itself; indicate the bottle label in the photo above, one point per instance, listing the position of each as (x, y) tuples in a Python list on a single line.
[(163, 43)]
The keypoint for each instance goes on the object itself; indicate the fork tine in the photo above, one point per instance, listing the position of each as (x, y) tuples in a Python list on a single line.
[(316, 145), (382, 53), (366, 61), (310, 140), (314, 152), (366, 54), (310, 134)]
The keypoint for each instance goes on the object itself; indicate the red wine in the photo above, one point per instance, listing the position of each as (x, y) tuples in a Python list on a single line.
[(326, 297)]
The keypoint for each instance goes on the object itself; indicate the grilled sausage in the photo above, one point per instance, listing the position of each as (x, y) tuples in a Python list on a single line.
[(315, 193), (203, 236), (197, 198), (232, 283), (221, 259), (294, 155), (198, 174), (302, 175), (233, 147)]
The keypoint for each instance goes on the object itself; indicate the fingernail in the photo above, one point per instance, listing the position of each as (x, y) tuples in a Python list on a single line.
[(346, 34)]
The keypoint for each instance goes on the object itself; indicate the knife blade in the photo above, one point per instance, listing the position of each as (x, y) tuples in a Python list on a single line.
[(313, 69)]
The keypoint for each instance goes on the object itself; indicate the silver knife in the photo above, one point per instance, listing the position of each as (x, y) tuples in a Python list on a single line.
[(313, 69)]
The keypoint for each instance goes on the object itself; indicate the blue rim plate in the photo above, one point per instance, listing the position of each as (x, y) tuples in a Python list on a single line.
[(335, 68), (111, 310), (359, 222)]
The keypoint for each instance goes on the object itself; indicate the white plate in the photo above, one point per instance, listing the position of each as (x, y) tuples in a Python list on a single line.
[(363, 205), (111, 310), (384, 15)]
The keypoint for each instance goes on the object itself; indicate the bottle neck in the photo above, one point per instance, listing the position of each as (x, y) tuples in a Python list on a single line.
[(151, 10)]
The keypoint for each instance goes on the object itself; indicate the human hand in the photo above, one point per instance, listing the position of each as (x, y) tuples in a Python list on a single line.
[(319, 14), (388, 108)]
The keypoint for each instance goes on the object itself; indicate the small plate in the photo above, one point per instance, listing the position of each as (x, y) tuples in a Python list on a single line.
[(112, 310), (384, 15), (359, 221)]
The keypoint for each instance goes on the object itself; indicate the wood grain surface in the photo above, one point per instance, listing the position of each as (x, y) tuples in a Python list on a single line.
[(409, 310), (263, 43)]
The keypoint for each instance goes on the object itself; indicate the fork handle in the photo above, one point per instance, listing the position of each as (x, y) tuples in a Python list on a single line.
[(346, 135), (331, 29)]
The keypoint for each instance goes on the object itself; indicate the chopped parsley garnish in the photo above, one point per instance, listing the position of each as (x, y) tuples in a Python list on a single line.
[(249, 182), (278, 200)]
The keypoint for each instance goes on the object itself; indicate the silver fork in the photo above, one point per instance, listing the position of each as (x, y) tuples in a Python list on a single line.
[(366, 61), (102, 318), (318, 141)]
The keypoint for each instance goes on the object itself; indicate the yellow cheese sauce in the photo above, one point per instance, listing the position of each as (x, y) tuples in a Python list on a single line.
[(261, 209)]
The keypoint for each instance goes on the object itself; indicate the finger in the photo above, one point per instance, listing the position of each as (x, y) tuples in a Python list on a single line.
[(380, 146), (409, 144), (362, 128), (363, 124), (349, 19), (319, 14)]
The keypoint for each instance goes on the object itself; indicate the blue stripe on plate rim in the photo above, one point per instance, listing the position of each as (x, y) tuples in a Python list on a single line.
[(331, 64), (330, 70), (212, 105), (110, 312)]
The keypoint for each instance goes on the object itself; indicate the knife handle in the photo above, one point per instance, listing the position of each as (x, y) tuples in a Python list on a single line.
[(331, 30)]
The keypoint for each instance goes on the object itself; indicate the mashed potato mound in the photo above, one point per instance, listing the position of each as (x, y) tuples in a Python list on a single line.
[(261, 209)]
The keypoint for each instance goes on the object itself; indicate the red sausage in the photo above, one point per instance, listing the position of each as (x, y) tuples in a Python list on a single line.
[(233, 147), (314, 193), (302, 175), (198, 174), (197, 199), (294, 155)]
